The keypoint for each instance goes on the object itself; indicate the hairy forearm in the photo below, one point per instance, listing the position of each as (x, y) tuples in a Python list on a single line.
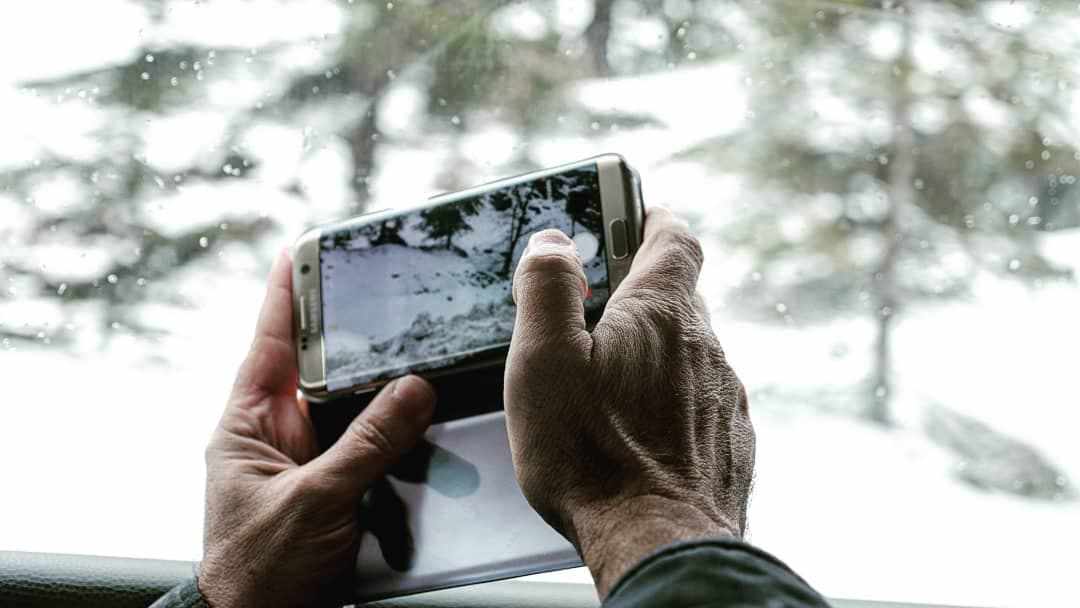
[(614, 539)]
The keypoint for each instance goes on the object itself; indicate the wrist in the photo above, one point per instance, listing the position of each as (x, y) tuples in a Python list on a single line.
[(219, 589), (613, 538)]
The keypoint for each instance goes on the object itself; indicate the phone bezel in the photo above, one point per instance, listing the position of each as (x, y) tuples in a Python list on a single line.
[(620, 199)]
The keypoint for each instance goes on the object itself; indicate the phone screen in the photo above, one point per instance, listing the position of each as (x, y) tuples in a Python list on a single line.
[(431, 288)]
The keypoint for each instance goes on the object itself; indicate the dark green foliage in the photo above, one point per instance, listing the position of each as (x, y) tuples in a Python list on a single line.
[(580, 190), (444, 221)]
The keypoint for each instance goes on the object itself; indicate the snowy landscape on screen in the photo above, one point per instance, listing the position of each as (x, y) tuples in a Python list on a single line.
[(433, 286)]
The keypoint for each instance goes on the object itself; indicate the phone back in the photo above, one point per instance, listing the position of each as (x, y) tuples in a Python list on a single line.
[(450, 512)]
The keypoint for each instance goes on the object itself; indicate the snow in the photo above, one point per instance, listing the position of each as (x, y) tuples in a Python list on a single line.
[(104, 443)]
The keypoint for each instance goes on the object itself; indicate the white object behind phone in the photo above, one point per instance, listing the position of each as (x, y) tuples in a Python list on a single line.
[(469, 519)]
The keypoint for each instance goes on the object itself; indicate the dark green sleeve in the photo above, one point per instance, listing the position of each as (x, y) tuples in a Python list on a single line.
[(721, 572), (184, 595)]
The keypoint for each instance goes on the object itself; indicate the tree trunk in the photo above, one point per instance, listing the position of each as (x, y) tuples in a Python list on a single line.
[(363, 140), (516, 227), (597, 34), (901, 193)]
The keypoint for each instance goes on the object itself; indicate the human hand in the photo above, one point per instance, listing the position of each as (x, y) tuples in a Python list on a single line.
[(637, 434), (281, 521)]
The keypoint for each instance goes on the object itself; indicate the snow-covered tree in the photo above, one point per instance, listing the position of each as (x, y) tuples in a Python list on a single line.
[(441, 223), (895, 149)]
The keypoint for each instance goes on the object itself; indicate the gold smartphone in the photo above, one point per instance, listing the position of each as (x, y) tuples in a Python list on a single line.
[(427, 289)]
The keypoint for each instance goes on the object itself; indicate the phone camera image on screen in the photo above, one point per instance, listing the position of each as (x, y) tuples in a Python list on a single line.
[(431, 287)]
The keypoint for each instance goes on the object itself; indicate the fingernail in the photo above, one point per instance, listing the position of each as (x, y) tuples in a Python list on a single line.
[(413, 389), (550, 237)]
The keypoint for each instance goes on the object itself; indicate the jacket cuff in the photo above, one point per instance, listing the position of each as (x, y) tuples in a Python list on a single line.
[(710, 570), (184, 595)]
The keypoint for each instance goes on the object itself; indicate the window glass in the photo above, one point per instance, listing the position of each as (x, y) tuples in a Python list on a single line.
[(886, 192)]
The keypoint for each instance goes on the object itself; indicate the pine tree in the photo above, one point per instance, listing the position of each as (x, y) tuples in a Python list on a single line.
[(444, 221), (883, 179), (580, 190), (457, 59)]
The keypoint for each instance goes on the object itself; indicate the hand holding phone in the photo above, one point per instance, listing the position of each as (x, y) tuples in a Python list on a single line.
[(428, 290)]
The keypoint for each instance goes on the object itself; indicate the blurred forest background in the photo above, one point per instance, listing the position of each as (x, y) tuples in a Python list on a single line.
[(886, 154)]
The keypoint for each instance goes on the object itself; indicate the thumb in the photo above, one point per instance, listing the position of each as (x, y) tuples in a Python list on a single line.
[(387, 428), (549, 290)]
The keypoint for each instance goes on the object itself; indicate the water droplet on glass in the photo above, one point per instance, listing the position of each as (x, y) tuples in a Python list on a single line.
[(61, 289), (112, 279), (595, 126), (145, 76), (1014, 264), (149, 58), (391, 74), (781, 307), (141, 282), (204, 242), (455, 119), (880, 392), (174, 81)]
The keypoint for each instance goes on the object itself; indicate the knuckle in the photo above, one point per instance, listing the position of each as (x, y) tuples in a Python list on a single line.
[(370, 439), (552, 261), (686, 244), (309, 485), (550, 353)]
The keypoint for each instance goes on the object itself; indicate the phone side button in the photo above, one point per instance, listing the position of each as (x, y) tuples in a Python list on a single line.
[(619, 247)]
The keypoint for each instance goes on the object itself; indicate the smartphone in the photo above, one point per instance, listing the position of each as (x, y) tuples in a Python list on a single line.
[(427, 289)]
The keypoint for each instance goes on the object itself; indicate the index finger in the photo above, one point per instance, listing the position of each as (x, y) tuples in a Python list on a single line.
[(270, 365), (668, 261)]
